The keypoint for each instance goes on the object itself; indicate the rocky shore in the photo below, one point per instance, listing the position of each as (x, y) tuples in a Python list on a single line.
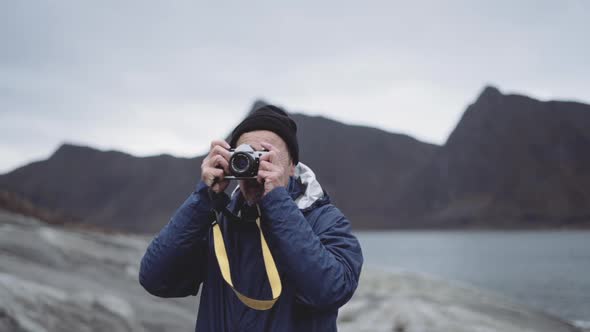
[(409, 302), (58, 279)]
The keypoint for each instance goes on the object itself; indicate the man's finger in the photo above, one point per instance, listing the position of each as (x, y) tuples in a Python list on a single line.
[(262, 174), (220, 161), (270, 156), (219, 142), (211, 160), (269, 147), (217, 175), (267, 166), (219, 150), (259, 177), (210, 174)]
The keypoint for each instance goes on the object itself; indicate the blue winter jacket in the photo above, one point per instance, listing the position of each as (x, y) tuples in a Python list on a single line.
[(318, 259)]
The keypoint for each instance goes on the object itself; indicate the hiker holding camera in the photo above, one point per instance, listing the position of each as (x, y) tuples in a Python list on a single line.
[(276, 255)]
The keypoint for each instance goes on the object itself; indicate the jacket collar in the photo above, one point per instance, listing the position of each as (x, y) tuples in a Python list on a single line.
[(303, 188)]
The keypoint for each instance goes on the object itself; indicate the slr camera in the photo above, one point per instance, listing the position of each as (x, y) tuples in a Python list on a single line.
[(244, 162)]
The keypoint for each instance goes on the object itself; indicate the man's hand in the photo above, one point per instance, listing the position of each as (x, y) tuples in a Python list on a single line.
[(216, 165), (270, 171)]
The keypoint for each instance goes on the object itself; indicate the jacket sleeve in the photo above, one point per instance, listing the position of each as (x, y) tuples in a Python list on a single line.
[(174, 264), (325, 262)]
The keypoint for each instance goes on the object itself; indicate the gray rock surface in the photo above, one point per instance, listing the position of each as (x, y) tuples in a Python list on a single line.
[(58, 279), (409, 302), (54, 279)]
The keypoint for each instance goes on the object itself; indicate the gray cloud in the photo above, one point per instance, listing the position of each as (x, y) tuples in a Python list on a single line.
[(149, 77)]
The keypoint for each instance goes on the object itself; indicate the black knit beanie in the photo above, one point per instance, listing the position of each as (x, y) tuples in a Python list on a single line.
[(273, 119)]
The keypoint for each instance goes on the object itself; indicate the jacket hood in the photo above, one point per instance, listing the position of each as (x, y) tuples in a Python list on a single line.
[(311, 192)]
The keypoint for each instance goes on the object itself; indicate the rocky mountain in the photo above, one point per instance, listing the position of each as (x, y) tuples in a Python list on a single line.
[(106, 188), (360, 166), (116, 190), (511, 162)]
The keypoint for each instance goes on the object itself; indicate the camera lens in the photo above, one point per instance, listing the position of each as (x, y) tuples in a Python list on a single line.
[(240, 163)]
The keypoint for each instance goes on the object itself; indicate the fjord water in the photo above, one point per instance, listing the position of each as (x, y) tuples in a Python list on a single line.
[(548, 270)]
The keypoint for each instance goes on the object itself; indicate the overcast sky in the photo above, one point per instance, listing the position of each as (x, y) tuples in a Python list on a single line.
[(149, 77)]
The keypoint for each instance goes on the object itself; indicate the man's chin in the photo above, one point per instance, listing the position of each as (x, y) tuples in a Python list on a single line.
[(252, 192)]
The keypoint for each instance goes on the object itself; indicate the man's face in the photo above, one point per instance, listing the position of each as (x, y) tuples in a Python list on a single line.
[(251, 189)]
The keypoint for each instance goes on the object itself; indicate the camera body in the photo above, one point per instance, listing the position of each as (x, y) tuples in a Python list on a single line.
[(244, 162)]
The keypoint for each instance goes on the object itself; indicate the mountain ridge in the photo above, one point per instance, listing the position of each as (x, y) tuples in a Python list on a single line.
[(508, 156)]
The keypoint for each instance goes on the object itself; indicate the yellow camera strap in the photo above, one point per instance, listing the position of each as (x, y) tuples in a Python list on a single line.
[(269, 264)]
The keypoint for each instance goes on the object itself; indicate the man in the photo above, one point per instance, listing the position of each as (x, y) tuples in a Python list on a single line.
[(318, 259)]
